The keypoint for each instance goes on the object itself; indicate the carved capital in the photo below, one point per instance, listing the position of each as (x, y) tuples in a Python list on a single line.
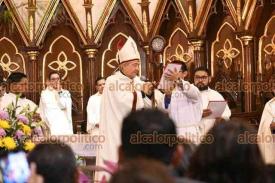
[(198, 45), (246, 39), (147, 49), (33, 55), (91, 53)]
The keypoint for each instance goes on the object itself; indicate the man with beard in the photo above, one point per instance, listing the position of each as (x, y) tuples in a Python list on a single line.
[(202, 79)]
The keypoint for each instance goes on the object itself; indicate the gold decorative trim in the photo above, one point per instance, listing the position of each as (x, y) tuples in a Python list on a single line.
[(182, 55), (246, 39), (16, 53), (250, 14), (99, 28), (190, 17), (184, 16), (138, 25), (228, 53), (245, 9), (260, 68), (6, 66), (42, 28), (198, 44), (239, 12), (61, 64), (33, 55), (91, 53), (218, 40), (109, 63), (202, 18), (269, 49), (232, 11)]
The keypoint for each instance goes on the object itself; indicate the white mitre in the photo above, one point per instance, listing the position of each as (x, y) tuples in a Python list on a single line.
[(129, 51)]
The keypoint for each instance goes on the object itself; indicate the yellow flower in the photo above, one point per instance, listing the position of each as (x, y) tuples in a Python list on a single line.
[(26, 129), (1, 143), (4, 124), (29, 145), (9, 143)]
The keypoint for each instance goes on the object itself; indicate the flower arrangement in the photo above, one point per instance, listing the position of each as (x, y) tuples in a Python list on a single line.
[(18, 128)]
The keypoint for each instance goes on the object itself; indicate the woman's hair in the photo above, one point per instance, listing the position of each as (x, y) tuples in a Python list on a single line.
[(55, 161), (142, 171), (232, 157)]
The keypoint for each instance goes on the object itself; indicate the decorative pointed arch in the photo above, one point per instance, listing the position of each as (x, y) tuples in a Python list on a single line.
[(62, 63), (227, 50), (42, 30), (178, 51), (112, 61), (11, 59), (267, 44)]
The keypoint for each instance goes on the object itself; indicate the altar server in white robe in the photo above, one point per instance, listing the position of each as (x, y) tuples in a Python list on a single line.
[(184, 105), (56, 107), (93, 107), (202, 79), (121, 95), (18, 86), (265, 136)]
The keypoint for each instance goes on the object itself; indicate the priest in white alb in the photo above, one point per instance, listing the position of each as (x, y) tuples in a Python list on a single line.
[(202, 79), (184, 104), (93, 107), (18, 86), (121, 95), (266, 132), (56, 107)]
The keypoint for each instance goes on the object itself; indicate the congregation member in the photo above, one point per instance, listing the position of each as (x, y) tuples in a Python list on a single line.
[(229, 156)]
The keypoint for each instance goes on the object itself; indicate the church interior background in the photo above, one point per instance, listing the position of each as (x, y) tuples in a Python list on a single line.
[(234, 39)]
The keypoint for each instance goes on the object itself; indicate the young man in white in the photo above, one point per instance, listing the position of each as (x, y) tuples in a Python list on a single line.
[(56, 107), (184, 104), (121, 95), (93, 107), (202, 79)]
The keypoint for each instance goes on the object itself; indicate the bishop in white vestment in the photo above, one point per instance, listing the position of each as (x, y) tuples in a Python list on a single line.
[(121, 95), (266, 139), (56, 107)]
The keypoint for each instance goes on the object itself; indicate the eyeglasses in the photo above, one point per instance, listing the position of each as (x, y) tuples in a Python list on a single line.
[(55, 79), (201, 77)]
